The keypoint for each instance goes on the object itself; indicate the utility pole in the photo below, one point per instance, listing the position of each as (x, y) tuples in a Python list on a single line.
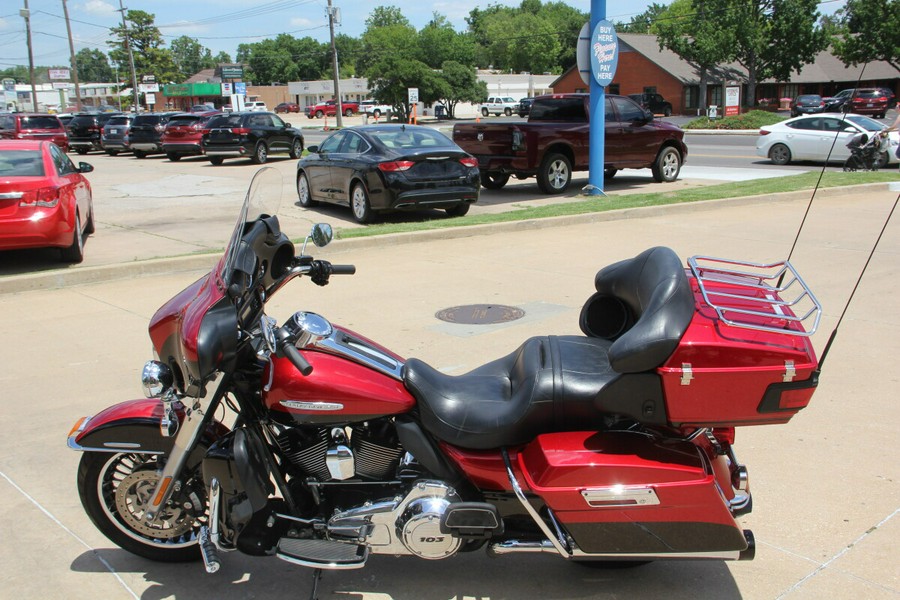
[(72, 58), (338, 107), (134, 88), (27, 15)]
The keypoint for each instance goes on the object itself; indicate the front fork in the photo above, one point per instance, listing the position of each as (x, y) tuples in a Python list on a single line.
[(187, 433)]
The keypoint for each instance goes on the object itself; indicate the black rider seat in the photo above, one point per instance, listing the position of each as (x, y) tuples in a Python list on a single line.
[(565, 383)]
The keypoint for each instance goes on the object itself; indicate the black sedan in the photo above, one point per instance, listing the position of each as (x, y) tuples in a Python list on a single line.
[(377, 168), (807, 104)]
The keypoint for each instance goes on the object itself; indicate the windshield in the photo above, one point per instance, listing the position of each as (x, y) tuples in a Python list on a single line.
[(865, 122), (263, 198)]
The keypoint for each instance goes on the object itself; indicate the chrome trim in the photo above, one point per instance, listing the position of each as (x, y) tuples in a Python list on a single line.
[(315, 406), (517, 489), (730, 555), (340, 462), (517, 546), (329, 566), (618, 496), (11, 195), (122, 445), (739, 502), (341, 343), (687, 373)]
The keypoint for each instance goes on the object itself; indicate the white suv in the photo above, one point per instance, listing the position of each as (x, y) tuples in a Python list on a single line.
[(499, 105), (256, 106)]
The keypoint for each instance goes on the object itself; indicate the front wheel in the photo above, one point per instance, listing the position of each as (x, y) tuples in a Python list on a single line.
[(296, 148), (853, 163), (667, 165), (507, 112), (881, 161), (555, 174), (81, 150), (216, 160), (319, 114), (115, 491), (609, 173), (348, 112), (173, 156), (484, 112), (359, 204)]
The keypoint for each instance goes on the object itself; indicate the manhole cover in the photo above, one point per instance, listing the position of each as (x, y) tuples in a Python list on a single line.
[(480, 314)]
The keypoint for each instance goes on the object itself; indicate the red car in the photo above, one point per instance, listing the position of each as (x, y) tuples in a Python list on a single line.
[(183, 133), (34, 126), (287, 107), (868, 101), (45, 200)]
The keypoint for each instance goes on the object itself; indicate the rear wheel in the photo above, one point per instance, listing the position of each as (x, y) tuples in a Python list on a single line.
[(484, 112), (494, 181), (173, 156), (780, 154), (303, 192), (81, 150), (260, 153), (139, 154), (216, 160), (667, 165), (609, 173), (296, 148), (112, 152), (459, 210), (554, 174), (359, 204), (115, 491), (667, 112), (348, 112), (75, 252), (319, 114)]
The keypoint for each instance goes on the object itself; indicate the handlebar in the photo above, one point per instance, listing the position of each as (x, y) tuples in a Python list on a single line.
[(343, 269), (293, 355)]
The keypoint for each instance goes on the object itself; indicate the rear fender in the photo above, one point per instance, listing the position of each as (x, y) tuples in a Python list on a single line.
[(131, 426)]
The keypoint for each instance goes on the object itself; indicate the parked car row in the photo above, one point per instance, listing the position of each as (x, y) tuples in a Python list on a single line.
[(863, 101)]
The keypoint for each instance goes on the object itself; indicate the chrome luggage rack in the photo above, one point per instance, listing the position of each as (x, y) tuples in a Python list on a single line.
[(749, 295)]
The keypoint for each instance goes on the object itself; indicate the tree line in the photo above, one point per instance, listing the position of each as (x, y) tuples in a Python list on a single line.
[(769, 38)]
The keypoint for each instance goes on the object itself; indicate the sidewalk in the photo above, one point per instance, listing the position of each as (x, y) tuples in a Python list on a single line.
[(826, 491)]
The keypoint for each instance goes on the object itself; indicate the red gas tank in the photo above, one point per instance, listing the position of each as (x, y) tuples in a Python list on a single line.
[(353, 379)]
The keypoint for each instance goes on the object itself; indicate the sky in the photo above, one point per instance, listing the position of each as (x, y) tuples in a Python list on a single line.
[(221, 25)]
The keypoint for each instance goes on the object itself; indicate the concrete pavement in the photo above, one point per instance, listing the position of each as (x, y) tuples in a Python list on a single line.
[(826, 494)]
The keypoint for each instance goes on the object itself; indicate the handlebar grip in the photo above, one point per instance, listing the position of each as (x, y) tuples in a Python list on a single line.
[(343, 269), (297, 359)]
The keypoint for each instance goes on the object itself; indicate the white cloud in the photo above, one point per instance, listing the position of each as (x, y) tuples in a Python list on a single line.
[(301, 22), (98, 7)]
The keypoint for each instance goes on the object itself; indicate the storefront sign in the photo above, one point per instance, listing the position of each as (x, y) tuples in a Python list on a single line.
[(604, 52)]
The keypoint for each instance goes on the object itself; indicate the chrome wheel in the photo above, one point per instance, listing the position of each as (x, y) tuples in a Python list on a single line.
[(303, 193), (555, 174), (668, 166), (359, 204)]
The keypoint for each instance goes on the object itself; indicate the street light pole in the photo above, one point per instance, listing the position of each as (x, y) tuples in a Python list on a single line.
[(134, 86), (27, 15), (74, 61), (338, 106)]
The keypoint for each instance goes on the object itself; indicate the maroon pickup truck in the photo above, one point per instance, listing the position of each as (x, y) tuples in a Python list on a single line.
[(329, 109), (554, 142)]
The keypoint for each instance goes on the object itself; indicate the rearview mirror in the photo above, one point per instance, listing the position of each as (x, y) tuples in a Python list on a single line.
[(84, 167), (321, 234), (314, 149)]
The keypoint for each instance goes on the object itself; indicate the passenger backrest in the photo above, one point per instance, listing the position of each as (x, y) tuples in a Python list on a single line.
[(645, 304)]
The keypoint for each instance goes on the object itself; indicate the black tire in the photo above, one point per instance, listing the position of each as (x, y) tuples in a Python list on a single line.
[(493, 180), (484, 112), (173, 156), (112, 152), (100, 479), (296, 148), (90, 227), (459, 210), (377, 113), (303, 193), (260, 153), (216, 160), (319, 114), (139, 153), (667, 112), (780, 154), (348, 112), (555, 174), (881, 162), (667, 165), (359, 204), (507, 112), (75, 252), (853, 164), (609, 173), (81, 150)]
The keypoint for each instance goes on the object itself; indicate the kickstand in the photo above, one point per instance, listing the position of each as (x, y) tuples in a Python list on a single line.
[(317, 576)]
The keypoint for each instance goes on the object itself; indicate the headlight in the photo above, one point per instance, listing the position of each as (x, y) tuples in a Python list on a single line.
[(156, 379)]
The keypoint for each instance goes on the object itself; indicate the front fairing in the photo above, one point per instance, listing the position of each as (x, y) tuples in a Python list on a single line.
[(196, 333)]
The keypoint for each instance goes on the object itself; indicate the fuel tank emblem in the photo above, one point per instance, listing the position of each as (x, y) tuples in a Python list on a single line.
[(318, 406)]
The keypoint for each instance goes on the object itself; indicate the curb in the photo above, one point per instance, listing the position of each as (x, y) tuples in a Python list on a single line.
[(160, 266)]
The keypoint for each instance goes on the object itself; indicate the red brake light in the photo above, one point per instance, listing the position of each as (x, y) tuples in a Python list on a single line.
[(240, 130), (205, 131), (764, 132), (43, 197), (396, 165), (469, 161)]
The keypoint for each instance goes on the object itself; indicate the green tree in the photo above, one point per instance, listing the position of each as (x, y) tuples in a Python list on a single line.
[(190, 57), (284, 59), (700, 32), (222, 58), (439, 43), (457, 83), (523, 43), (775, 37), (872, 32), (644, 21), (147, 46), (93, 66), (567, 22)]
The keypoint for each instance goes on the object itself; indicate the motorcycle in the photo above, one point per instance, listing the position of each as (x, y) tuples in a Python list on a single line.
[(615, 445)]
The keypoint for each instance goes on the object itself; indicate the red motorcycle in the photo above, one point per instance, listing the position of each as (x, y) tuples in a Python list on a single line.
[(615, 445)]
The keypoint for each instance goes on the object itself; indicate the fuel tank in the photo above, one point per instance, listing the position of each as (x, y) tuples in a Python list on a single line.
[(352, 380)]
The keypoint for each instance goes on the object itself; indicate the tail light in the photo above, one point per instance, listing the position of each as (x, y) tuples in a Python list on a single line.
[(396, 165), (43, 198), (764, 132), (159, 127), (205, 131), (469, 161), (518, 141), (240, 130), (725, 435)]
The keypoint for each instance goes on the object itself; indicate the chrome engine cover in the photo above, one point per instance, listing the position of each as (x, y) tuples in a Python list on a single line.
[(402, 526)]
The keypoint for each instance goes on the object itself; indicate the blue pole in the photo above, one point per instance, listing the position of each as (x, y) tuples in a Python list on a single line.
[(597, 104)]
